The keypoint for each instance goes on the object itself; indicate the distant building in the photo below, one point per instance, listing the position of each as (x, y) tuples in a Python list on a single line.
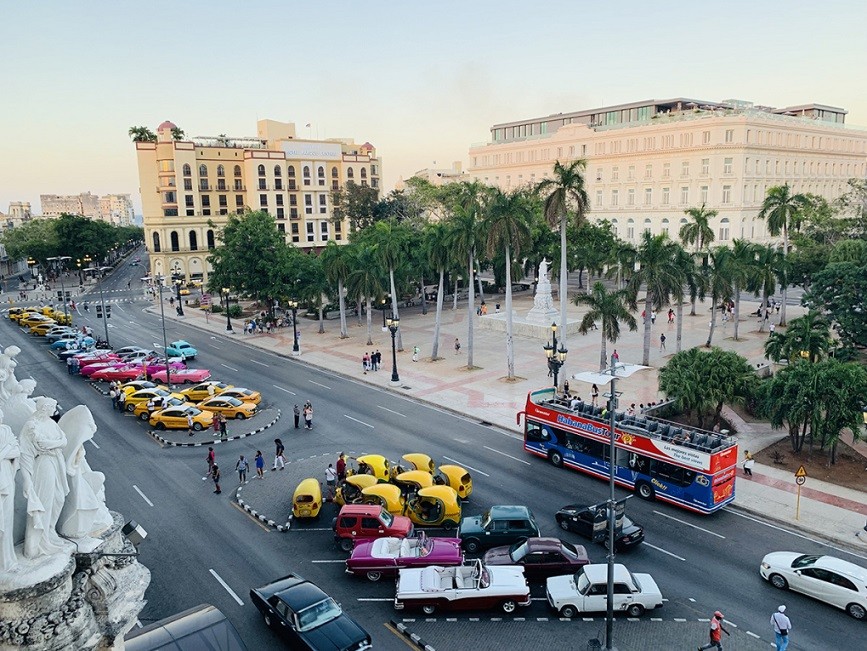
[(112, 208), (19, 212), (440, 176), (116, 209), (649, 161), (190, 187)]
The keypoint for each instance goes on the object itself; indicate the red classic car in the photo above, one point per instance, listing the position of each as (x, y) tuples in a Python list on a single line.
[(90, 369), (385, 556), (182, 375), (540, 557), (122, 373), (86, 359)]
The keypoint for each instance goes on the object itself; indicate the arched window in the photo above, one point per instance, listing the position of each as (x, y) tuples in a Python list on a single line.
[(321, 172), (175, 243), (210, 236), (306, 172), (350, 173), (156, 238), (261, 170), (291, 172), (203, 171), (614, 226), (277, 171), (187, 170), (646, 225), (237, 170), (665, 225), (221, 171), (363, 173), (194, 241), (333, 172)]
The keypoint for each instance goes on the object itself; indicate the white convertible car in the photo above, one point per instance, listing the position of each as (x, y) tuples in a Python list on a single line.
[(473, 586), (586, 591)]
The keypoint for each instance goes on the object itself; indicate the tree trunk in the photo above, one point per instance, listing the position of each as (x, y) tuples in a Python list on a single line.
[(712, 322), (342, 303), (785, 284), (479, 280), (359, 305), (581, 278), (679, 317), (394, 309), (457, 289), (369, 321), (737, 310), (564, 279), (717, 415), (423, 301), (603, 352), (645, 358), (471, 316), (510, 351), (321, 311), (764, 307), (435, 349)]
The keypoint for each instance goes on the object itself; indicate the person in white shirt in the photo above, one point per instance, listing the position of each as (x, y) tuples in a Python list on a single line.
[(782, 626)]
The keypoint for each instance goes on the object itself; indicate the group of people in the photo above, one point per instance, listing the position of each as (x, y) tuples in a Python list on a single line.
[(242, 466), (371, 361), (779, 621), (307, 412)]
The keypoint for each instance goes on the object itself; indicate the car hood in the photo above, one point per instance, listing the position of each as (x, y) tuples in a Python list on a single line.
[(498, 556), (561, 586), (511, 576), (336, 635), (470, 525), (782, 560)]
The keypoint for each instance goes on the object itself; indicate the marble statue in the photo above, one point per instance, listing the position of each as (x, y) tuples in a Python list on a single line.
[(84, 511), (9, 453), (45, 483), (19, 406), (543, 311), (8, 364)]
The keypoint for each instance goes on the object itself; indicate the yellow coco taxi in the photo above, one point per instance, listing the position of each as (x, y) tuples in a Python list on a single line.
[(350, 490), (417, 461), (40, 329), (388, 496), (307, 499), (244, 395), (176, 418), (413, 481), (375, 465), (437, 506), (229, 407), (455, 477), (143, 395), (199, 392)]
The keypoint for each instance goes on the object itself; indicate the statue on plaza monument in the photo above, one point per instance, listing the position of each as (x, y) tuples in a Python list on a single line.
[(8, 364), (19, 406), (9, 453), (543, 311)]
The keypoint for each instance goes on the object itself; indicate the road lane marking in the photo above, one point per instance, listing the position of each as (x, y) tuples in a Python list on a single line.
[(138, 623), (226, 586), (150, 336), (660, 549), (396, 413), (319, 385), (213, 346), (338, 560), (93, 443), (282, 389), (375, 599), (228, 367), (143, 496), (254, 520), (466, 466), (360, 422), (260, 363), (671, 517), (507, 455), (754, 635)]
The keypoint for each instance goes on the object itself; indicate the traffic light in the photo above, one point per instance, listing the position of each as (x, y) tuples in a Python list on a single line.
[(59, 295), (99, 311), (108, 311)]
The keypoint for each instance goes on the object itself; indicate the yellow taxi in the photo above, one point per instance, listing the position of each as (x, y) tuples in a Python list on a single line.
[(60, 317), (176, 418), (143, 395), (244, 395), (229, 407), (142, 412), (15, 313), (40, 329), (135, 385), (201, 391), (35, 319)]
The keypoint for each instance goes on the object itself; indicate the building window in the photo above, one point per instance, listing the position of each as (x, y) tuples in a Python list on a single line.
[(615, 174), (281, 227), (221, 184), (237, 170), (647, 226), (648, 171), (648, 196), (666, 170), (350, 173), (279, 199), (705, 166), (239, 200), (210, 238), (684, 195), (277, 171), (221, 171), (323, 203), (320, 174), (730, 135), (290, 172), (293, 200), (295, 236), (293, 213), (665, 226), (333, 172), (702, 194), (194, 241), (614, 227), (335, 186), (308, 204), (631, 173), (684, 168), (323, 231), (203, 185), (188, 201), (263, 200), (169, 197), (203, 171), (310, 234), (705, 137), (186, 170), (262, 185), (222, 200), (156, 239), (727, 166), (306, 174), (630, 229), (363, 173), (261, 170), (630, 197), (727, 194), (239, 187), (598, 198), (614, 197), (278, 184), (188, 185), (281, 214), (666, 196), (206, 201), (173, 237), (724, 230)]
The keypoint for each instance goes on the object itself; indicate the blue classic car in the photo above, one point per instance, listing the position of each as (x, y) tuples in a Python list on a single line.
[(181, 349)]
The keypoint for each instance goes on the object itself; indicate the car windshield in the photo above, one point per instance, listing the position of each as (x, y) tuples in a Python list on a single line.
[(485, 579), (424, 545), (192, 411), (568, 550), (518, 551), (486, 519), (805, 560), (318, 614), (582, 583), (386, 518)]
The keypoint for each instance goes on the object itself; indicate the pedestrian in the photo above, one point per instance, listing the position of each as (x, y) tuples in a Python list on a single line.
[(782, 625), (643, 316), (260, 465), (749, 462), (566, 388), (308, 416), (377, 360), (661, 342), (216, 425), (457, 346), (771, 329), (615, 356), (211, 459), (716, 631), (121, 400), (296, 411), (594, 395), (341, 467), (212, 390), (215, 474), (415, 351), (241, 466), (189, 423), (223, 426), (631, 410), (330, 481), (278, 455), (497, 308), (69, 365), (670, 315), (365, 363), (652, 317)]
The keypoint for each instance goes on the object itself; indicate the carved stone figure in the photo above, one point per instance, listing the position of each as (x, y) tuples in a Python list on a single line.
[(44, 477), (84, 512), (9, 453), (8, 364), (543, 311), (19, 407)]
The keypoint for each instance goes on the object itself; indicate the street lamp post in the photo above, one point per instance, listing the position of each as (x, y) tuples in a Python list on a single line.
[(160, 279), (102, 304), (228, 318), (176, 279), (58, 263), (382, 305), (293, 305), (556, 358), (393, 323)]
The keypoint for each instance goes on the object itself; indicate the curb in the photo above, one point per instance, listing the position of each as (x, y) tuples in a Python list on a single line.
[(282, 528), (163, 441), (410, 636)]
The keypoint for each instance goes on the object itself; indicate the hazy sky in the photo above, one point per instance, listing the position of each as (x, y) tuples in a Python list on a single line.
[(420, 80)]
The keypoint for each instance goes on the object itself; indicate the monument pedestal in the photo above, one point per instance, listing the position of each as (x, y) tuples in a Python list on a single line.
[(523, 327)]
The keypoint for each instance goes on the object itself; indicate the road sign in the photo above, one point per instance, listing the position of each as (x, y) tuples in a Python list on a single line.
[(800, 478)]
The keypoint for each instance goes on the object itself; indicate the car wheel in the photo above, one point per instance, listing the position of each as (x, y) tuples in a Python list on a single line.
[(130, 408), (645, 491), (160, 426), (856, 611), (568, 612), (374, 576), (448, 525), (472, 545), (346, 544), (144, 415), (635, 610), (197, 427), (240, 416), (564, 524), (429, 609), (778, 582), (509, 606), (557, 459)]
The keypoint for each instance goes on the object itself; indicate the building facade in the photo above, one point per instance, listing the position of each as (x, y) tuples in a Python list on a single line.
[(647, 162), (18, 213), (116, 209), (112, 208), (190, 187)]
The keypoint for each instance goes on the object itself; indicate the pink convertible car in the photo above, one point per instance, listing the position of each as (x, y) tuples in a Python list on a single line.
[(182, 376), (385, 556)]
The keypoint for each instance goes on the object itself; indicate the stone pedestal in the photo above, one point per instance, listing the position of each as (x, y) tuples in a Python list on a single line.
[(522, 327)]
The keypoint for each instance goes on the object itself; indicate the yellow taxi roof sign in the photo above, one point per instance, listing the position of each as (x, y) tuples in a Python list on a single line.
[(801, 472)]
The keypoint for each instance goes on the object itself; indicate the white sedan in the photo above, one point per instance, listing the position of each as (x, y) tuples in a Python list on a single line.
[(586, 591), (832, 580)]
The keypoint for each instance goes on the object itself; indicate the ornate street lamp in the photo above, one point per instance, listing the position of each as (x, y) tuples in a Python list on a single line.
[(382, 305), (176, 278), (228, 318), (556, 357), (393, 323), (293, 305)]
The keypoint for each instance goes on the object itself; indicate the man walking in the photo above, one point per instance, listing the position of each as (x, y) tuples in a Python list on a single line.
[(215, 474), (241, 466), (661, 342), (121, 400), (716, 631), (278, 455), (782, 626), (330, 481), (190, 424), (296, 410), (308, 416), (211, 459)]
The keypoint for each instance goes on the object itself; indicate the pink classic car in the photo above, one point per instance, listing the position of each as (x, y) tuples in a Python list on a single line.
[(385, 556), (122, 373), (182, 376), (157, 365), (90, 369), (86, 359)]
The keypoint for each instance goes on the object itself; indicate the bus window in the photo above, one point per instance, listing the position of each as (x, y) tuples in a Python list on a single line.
[(674, 474), (535, 432)]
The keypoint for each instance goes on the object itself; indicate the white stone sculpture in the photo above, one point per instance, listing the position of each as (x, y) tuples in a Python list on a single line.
[(9, 453), (543, 311), (8, 364), (19, 407), (43, 470), (84, 512)]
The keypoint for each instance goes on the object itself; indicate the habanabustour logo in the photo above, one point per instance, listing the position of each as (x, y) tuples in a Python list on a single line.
[(577, 424)]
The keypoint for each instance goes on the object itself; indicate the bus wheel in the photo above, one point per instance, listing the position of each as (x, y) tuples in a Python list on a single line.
[(645, 491), (557, 459)]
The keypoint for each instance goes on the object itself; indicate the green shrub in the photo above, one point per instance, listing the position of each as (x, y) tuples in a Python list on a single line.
[(235, 311), (216, 309)]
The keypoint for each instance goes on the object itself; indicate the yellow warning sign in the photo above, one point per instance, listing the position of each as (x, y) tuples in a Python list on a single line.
[(801, 472)]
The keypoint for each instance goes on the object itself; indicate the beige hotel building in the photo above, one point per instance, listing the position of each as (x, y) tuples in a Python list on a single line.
[(649, 161), (190, 187)]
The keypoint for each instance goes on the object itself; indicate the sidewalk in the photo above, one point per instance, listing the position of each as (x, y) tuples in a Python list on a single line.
[(483, 393)]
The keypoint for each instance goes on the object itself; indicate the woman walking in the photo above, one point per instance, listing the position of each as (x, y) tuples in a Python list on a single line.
[(308, 416), (278, 455), (215, 475), (260, 465)]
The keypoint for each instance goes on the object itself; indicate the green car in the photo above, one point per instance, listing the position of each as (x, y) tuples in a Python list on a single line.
[(500, 525)]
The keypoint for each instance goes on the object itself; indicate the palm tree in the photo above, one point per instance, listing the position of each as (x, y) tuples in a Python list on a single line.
[(178, 133), (697, 232), (507, 225), (742, 268), (439, 257), (686, 267), (335, 264), (365, 281), (768, 269), (659, 273), (142, 134), (565, 197), (807, 337), (719, 283), (610, 308), (783, 211), (391, 243)]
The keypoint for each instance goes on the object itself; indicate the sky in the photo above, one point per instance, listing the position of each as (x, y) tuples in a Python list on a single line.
[(422, 81)]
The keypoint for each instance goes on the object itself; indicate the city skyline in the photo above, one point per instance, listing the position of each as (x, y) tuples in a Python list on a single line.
[(421, 84)]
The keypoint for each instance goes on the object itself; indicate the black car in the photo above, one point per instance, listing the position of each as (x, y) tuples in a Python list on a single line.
[(499, 525), (306, 617), (584, 520)]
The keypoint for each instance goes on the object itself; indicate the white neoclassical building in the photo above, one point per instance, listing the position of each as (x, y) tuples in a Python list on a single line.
[(647, 162)]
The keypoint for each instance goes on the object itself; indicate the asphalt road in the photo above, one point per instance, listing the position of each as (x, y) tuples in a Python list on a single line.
[(203, 548)]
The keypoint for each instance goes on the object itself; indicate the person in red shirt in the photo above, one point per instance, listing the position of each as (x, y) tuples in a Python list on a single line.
[(716, 631), (341, 467)]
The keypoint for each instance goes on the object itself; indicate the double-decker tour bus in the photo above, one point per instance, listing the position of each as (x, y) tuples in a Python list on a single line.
[(690, 468)]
